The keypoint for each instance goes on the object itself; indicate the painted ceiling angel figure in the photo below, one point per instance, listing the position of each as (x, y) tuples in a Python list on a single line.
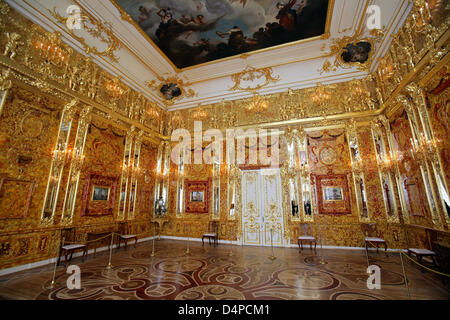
[(244, 2), (287, 16)]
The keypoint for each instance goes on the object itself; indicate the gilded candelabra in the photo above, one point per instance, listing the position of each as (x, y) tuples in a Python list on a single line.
[(257, 104), (357, 166), (304, 170), (384, 163), (77, 159), (424, 149), (59, 157)]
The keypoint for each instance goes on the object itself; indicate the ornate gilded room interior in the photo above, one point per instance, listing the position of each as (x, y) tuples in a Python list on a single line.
[(224, 149)]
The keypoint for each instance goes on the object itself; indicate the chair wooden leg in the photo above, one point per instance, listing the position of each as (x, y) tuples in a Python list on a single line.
[(203, 242), (434, 262), (135, 242), (59, 257), (298, 242), (315, 246), (385, 249), (419, 260)]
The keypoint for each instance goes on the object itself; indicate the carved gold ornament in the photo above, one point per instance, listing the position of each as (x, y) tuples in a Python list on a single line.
[(169, 83), (252, 74), (99, 30), (5, 80), (338, 46), (12, 44)]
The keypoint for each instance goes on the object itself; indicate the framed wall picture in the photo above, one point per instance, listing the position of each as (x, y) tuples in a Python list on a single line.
[(333, 194), (99, 195), (197, 196)]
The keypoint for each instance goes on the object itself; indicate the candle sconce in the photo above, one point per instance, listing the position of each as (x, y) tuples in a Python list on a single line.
[(423, 149)]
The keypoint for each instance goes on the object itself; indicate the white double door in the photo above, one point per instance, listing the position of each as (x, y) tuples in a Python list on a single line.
[(262, 210)]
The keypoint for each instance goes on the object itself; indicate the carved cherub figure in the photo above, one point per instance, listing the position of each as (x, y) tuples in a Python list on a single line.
[(73, 77), (94, 83), (12, 44), (5, 82)]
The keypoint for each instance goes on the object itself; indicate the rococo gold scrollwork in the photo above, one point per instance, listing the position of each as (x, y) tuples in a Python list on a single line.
[(250, 74), (100, 30)]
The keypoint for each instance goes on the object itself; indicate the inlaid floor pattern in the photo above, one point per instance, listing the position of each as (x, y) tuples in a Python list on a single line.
[(212, 273)]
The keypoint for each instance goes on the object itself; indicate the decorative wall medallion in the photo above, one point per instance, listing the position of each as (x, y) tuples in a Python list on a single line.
[(171, 89), (31, 125), (327, 156), (356, 51)]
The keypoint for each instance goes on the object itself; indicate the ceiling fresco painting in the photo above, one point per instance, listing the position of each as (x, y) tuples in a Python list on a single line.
[(192, 32)]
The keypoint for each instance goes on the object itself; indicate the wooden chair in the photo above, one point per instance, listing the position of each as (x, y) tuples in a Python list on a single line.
[(443, 259), (423, 250), (67, 246), (125, 236), (370, 233), (305, 235), (212, 233)]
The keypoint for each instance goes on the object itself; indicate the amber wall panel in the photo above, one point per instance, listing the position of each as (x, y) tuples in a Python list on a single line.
[(28, 129), (411, 179)]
